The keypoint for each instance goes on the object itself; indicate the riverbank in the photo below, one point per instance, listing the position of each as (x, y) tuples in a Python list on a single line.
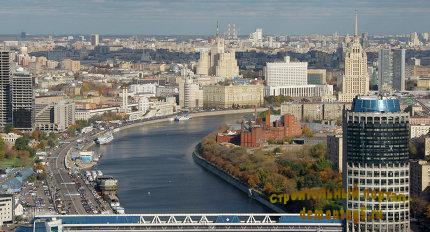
[(235, 182), (192, 115)]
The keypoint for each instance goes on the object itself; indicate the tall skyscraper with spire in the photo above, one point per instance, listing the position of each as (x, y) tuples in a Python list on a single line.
[(356, 78), (218, 61)]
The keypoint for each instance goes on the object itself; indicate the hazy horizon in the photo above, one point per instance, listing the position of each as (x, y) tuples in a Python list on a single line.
[(198, 17)]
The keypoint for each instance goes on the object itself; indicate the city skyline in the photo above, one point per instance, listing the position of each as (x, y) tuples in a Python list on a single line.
[(189, 17)]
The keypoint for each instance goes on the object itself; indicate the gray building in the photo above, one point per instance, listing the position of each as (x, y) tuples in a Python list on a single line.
[(391, 70), (335, 150), (54, 113), (22, 101), (5, 90)]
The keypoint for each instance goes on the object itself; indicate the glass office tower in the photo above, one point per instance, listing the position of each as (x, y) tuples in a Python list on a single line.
[(376, 135)]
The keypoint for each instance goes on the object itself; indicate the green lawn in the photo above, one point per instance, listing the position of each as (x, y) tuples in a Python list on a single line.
[(7, 163)]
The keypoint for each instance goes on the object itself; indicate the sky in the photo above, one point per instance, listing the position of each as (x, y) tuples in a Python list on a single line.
[(199, 17)]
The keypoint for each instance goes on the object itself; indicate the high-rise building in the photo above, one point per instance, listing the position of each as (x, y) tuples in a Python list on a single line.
[(204, 63), (414, 40), (95, 39), (286, 73), (5, 91), (391, 70), (376, 160), (356, 78), (256, 38), (22, 101), (218, 61), (190, 94)]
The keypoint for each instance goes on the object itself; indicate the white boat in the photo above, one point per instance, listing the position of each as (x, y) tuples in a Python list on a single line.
[(105, 139), (119, 210), (182, 118)]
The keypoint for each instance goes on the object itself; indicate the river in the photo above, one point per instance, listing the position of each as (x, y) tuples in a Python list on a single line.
[(157, 174)]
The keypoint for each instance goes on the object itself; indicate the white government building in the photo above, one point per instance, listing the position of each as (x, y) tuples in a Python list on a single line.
[(291, 79)]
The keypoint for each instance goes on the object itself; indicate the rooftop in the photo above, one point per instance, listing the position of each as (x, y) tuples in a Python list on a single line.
[(376, 104)]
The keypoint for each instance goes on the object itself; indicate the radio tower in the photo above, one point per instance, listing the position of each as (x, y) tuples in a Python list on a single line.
[(231, 32)]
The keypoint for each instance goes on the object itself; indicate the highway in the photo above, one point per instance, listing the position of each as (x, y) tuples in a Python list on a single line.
[(69, 192)]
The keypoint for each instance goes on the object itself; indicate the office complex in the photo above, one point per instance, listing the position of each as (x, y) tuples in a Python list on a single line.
[(220, 96), (375, 138), (5, 95), (22, 101), (391, 70), (54, 113), (286, 73), (356, 78)]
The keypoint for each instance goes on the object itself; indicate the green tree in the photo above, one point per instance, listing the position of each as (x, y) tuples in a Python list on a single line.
[(2, 149), (22, 143), (8, 128), (318, 151)]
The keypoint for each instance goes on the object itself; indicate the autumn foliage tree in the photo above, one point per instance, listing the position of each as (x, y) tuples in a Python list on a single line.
[(267, 173)]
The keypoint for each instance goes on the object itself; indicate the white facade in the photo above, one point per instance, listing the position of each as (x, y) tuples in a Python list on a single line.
[(219, 61), (64, 115), (190, 94), (10, 138), (143, 88), (300, 91), (256, 38), (143, 104), (419, 130), (356, 78), (6, 208), (55, 115), (286, 73), (87, 114)]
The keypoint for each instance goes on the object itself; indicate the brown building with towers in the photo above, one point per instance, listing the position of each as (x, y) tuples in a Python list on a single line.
[(255, 134)]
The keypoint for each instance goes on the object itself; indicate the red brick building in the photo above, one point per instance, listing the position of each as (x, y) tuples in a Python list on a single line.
[(259, 133)]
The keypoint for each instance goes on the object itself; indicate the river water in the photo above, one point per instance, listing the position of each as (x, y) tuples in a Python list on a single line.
[(157, 174)]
